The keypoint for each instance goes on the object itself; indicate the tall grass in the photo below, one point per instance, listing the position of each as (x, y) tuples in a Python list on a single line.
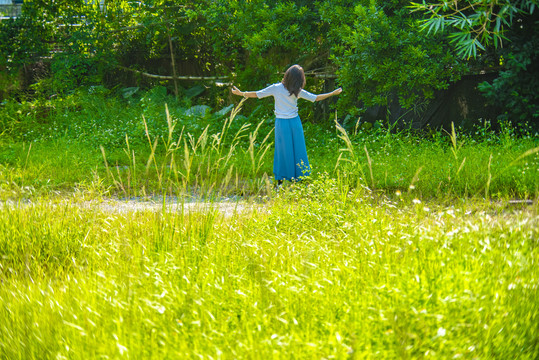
[(201, 165), (444, 167), (101, 146), (317, 273)]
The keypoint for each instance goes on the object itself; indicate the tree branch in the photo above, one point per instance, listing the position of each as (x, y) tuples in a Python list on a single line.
[(165, 77)]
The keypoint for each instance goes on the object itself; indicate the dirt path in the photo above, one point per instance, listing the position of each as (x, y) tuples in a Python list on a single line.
[(228, 207)]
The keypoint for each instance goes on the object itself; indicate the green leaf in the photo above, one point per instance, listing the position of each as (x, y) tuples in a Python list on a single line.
[(129, 91), (194, 91)]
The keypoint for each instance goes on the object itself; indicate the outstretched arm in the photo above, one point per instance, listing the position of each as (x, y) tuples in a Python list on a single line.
[(248, 94), (325, 96)]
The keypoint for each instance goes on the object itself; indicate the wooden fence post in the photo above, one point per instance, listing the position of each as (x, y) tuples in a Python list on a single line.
[(174, 74)]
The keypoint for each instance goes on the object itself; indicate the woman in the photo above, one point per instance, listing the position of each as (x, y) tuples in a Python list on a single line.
[(290, 159)]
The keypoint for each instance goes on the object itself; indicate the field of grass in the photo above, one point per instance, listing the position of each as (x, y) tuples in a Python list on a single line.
[(314, 272), (399, 246), (100, 144)]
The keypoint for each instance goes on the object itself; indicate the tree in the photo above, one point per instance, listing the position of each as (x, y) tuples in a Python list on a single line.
[(375, 48), (382, 55), (506, 32), (24, 40), (515, 89), (473, 24)]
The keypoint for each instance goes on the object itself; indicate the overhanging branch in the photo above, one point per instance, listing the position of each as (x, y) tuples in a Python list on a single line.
[(165, 77), (224, 77)]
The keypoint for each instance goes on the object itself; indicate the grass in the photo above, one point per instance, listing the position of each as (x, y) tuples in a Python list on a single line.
[(314, 273), (399, 246), (96, 143)]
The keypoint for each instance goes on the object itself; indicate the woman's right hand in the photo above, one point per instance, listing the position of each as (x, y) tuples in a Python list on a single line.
[(236, 91)]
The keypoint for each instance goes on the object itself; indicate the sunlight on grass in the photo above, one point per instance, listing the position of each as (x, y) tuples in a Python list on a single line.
[(154, 149), (315, 272), (159, 234)]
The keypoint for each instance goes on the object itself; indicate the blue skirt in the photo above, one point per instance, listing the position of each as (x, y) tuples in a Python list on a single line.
[(290, 159)]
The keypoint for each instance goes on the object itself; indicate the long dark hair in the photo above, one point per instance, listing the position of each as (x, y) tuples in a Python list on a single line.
[(294, 79)]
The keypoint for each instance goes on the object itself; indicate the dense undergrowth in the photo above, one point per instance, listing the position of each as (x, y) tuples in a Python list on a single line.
[(153, 144)]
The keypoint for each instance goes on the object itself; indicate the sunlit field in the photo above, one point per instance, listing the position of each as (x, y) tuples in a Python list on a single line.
[(311, 273), (401, 245)]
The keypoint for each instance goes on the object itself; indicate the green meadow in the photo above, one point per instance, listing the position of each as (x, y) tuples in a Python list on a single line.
[(400, 245)]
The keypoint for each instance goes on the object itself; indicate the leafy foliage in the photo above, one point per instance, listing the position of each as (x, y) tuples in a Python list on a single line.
[(376, 49), (382, 56), (26, 37), (515, 90), (475, 24), (486, 26), (254, 41)]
